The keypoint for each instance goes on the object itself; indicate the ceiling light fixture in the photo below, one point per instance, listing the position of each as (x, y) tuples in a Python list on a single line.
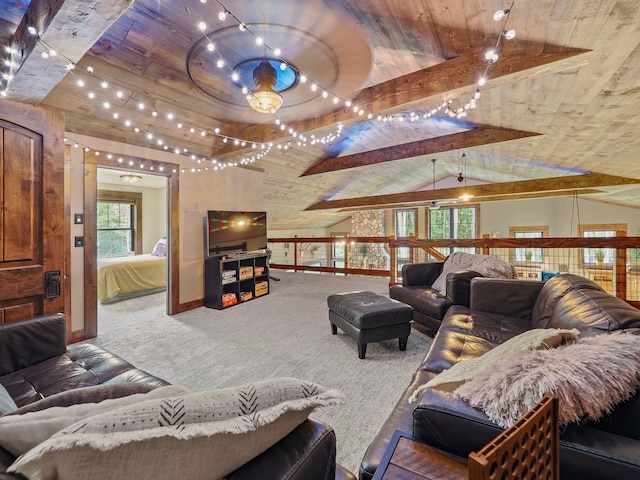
[(131, 179), (265, 99)]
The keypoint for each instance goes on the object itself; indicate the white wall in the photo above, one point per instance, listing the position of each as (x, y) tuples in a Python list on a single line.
[(559, 213), (229, 189), (344, 226)]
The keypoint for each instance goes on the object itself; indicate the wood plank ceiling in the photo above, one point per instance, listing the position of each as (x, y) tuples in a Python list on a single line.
[(560, 102)]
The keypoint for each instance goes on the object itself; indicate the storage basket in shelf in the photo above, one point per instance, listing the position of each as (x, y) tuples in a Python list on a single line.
[(261, 288)]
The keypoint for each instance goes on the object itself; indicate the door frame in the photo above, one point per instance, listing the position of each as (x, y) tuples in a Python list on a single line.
[(92, 162)]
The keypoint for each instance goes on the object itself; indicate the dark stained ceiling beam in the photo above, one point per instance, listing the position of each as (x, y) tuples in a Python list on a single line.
[(500, 190), (472, 138), (449, 79)]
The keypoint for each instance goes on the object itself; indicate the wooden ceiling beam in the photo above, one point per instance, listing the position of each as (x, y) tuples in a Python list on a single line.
[(432, 85), (480, 135), (500, 190), (69, 26), (524, 196)]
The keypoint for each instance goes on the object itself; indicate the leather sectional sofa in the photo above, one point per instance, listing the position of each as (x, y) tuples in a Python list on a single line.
[(35, 364), (499, 310)]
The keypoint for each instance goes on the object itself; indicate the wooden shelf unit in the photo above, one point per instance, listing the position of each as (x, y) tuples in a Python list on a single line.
[(222, 276)]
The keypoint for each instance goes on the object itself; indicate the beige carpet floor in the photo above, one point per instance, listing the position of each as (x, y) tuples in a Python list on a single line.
[(285, 333)]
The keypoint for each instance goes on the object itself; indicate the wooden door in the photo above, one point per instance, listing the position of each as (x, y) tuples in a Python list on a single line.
[(32, 245)]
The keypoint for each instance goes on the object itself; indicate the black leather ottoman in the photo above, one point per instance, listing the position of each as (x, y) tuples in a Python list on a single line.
[(369, 317)]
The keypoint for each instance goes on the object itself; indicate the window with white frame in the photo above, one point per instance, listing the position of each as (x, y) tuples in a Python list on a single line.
[(528, 255), (600, 256), (405, 222)]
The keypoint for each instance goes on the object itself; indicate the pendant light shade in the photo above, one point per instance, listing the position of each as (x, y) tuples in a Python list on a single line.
[(265, 99)]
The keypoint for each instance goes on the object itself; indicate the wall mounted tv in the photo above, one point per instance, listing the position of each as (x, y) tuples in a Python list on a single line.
[(229, 232)]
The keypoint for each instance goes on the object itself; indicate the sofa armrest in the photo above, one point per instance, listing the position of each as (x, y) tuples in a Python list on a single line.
[(31, 341), (513, 298), (445, 421), (307, 453), (421, 274), (459, 286)]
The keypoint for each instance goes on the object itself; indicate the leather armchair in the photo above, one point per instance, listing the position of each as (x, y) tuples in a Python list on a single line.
[(429, 305)]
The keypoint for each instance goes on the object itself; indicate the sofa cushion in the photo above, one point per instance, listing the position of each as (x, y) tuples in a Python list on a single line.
[(486, 265), (466, 334), (19, 433), (94, 394), (423, 299), (440, 285), (623, 420), (589, 377), (198, 436), (552, 291), (45, 336), (7, 405), (593, 311), (83, 365), (461, 372)]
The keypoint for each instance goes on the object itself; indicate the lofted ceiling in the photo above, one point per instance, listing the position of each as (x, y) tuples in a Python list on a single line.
[(558, 113)]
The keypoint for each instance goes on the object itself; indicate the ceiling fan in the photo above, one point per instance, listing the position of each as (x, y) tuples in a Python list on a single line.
[(435, 204)]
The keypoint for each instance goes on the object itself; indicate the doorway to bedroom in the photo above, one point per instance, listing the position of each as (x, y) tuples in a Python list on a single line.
[(135, 217), (131, 241)]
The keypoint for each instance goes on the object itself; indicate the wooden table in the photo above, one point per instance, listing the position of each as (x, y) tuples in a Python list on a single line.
[(408, 459)]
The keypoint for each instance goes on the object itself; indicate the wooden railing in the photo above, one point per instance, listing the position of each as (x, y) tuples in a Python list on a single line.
[(301, 255), (620, 275)]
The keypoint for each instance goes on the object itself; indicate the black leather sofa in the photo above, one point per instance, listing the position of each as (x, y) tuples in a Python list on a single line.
[(429, 305), (499, 310), (35, 364)]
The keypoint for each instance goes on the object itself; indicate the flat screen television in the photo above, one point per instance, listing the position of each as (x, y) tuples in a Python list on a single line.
[(229, 232)]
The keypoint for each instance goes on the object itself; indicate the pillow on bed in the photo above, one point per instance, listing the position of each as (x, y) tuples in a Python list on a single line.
[(160, 250)]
